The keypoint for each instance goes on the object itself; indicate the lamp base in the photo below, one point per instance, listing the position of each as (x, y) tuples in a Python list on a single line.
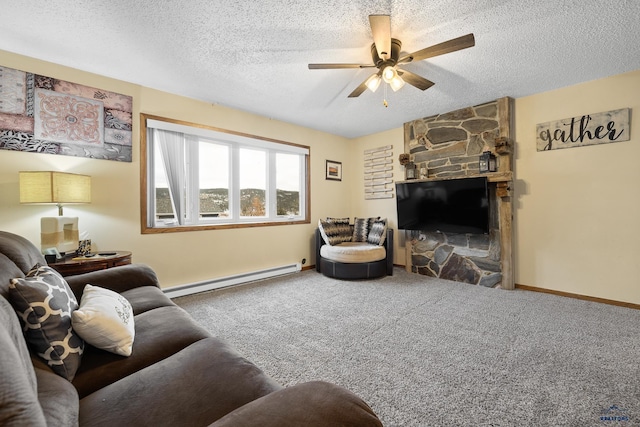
[(59, 232)]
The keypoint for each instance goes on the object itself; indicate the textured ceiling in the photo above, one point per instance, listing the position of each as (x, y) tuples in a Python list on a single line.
[(253, 55)]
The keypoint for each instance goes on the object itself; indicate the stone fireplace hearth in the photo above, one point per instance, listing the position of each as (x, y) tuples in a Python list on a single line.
[(448, 147), (467, 258)]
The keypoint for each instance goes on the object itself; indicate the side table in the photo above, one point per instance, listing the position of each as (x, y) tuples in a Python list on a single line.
[(72, 265)]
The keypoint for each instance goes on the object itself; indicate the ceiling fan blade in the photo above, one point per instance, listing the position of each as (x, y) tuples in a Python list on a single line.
[(337, 66), (415, 80), (381, 31), (452, 45), (358, 91), (363, 86)]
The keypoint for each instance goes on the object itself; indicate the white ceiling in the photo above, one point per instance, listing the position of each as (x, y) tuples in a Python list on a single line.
[(253, 55)]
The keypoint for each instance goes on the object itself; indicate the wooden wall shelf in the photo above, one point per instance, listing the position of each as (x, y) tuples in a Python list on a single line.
[(491, 177)]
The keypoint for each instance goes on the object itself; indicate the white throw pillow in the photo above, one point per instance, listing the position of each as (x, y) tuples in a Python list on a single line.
[(105, 320)]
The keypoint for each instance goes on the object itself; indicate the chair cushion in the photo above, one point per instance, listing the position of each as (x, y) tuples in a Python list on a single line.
[(353, 252)]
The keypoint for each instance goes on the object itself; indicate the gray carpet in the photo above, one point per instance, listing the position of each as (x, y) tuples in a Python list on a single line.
[(428, 352)]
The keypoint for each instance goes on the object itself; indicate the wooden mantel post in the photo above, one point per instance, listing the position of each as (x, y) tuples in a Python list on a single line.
[(506, 219)]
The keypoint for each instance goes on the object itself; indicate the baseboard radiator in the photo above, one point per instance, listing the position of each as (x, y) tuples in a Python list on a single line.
[(224, 282)]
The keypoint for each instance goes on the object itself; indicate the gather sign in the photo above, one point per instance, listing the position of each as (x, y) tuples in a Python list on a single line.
[(590, 129)]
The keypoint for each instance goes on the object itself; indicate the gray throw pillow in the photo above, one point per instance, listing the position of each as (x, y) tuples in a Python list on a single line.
[(360, 229), (44, 303), (378, 232)]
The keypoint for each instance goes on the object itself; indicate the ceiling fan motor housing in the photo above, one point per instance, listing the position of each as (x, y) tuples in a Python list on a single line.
[(393, 59)]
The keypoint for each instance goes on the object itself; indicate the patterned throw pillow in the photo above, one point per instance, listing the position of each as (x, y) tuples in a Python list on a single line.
[(44, 303), (343, 228), (378, 232), (105, 320), (334, 233), (360, 229), (372, 220), (338, 220)]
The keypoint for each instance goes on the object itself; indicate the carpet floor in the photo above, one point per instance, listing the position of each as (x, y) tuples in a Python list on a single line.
[(429, 352)]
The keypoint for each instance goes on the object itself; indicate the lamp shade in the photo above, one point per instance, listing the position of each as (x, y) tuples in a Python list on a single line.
[(54, 187)]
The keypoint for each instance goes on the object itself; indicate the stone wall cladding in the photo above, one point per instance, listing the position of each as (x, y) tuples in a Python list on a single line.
[(449, 146), (467, 258)]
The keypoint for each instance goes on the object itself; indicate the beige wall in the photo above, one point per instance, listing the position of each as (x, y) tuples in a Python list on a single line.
[(113, 218), (577, 210), (385, 208)]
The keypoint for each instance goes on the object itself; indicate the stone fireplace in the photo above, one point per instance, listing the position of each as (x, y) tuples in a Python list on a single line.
[(448, 146)]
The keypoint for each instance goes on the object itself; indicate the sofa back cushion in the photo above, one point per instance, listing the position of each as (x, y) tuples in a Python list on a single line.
[(8, 270), (19, 405), (17, 257)]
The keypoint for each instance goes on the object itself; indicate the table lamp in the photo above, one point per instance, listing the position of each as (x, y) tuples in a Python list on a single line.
[(46, 187)]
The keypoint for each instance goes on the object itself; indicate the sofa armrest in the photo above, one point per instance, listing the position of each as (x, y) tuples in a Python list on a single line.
[(118, 279), (310, 404)]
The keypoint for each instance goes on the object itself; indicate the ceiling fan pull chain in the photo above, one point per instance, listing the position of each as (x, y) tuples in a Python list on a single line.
[(384, 99)]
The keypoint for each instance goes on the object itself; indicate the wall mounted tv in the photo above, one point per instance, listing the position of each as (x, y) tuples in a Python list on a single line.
[(451, 205)]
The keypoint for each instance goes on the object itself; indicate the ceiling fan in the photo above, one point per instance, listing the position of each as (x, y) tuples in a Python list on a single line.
[(385, 53)]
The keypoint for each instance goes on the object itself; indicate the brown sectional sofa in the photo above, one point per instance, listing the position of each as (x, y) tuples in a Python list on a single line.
[(178, 373)]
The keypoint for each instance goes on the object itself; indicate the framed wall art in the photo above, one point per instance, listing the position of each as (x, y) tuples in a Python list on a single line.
[(41, 114), (333, 170)]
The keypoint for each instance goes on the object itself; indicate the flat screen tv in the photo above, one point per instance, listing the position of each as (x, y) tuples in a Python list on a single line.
[(452, 205)]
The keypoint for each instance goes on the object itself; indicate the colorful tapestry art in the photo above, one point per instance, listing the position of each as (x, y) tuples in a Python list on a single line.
[(41, 114)]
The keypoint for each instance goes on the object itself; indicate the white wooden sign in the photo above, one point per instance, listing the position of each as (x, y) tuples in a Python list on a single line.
[(590, 129), (378, 173)]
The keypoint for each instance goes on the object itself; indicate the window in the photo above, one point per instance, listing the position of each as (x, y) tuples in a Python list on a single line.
[(200, 177)]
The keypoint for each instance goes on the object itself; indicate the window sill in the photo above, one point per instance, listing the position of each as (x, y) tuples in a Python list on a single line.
[(181, 228)]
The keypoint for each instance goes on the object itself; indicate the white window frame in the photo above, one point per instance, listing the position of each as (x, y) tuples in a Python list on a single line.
[(235, 141)]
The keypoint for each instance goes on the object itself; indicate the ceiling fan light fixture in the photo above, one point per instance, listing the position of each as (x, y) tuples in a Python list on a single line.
[(373, 82), (389, 73), (396, 83)]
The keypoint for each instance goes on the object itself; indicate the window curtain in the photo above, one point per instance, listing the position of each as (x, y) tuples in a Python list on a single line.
[(172, 147)]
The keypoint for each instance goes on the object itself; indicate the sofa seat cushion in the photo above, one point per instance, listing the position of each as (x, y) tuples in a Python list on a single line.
[(318, 403), (194, 387), (159, 333), (353, 252)]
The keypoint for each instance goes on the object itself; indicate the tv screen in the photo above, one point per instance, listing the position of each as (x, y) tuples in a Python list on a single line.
[(453, 205)]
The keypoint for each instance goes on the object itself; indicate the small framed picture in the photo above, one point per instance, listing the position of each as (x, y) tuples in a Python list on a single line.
[(334, 170)]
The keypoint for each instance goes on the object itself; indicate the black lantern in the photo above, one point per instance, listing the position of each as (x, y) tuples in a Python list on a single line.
[(488, 162), (410, 170)]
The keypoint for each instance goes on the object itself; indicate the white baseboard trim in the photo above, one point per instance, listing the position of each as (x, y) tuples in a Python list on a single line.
[(224, 282)]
